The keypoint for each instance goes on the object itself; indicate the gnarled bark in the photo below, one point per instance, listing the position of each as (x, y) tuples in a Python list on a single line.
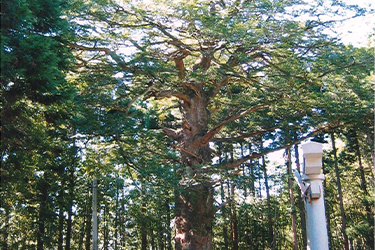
[(194, 200), (194, 216)]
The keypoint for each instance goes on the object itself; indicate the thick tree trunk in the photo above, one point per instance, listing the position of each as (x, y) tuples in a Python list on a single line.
[(339, 190), (194, 217), (194, 197)]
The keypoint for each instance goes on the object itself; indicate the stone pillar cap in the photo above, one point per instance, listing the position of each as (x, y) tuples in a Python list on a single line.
[(312, 147)]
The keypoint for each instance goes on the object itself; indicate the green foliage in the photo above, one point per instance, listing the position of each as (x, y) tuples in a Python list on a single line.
[(103, 114)]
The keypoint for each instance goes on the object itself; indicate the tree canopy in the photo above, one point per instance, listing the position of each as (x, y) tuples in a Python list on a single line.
[(174, 107)]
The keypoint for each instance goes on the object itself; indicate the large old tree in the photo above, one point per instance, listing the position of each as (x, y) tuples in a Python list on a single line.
[(232, 70)]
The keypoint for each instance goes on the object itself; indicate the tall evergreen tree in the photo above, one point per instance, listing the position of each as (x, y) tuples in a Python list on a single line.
[(241, 65), (37, 109)]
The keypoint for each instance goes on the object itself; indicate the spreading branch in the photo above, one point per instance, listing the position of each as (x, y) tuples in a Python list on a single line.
[(106, 51), (244, 135), (210, 134)]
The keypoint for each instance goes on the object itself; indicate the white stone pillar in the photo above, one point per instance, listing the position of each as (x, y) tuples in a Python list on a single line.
[(316, 223)]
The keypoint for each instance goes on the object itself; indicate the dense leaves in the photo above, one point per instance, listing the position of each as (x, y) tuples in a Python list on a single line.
[(174, 108)]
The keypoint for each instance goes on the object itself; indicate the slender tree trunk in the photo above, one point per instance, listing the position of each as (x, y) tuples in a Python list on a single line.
[(371, 145), (122, 228), (248, 233), (328, 213), (161, 229), (223, 209), (252, 177), (169, 234), (95, 214), (5, 231), (144, 227), (269, 214), (61, 217), (370, 220), (300, 201), (88, 225), (84, 224), (70, 209), (291, 197), (339, 190), (152, 237), (234, 223), (82, 234), (274, 245), (259, 179), (244, 169), (42, 214), (117, 212), (224, 216), (106, 227)]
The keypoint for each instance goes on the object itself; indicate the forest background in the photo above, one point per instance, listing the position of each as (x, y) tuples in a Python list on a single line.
[(175, 107)]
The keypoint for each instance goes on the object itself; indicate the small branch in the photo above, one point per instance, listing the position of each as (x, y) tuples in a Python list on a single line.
[(210, 134), (171, 133), (178, 58), (218, 87), (243, 136), (85, 48), (175, 41), (200, 160), (204, 62), (222, 205)]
